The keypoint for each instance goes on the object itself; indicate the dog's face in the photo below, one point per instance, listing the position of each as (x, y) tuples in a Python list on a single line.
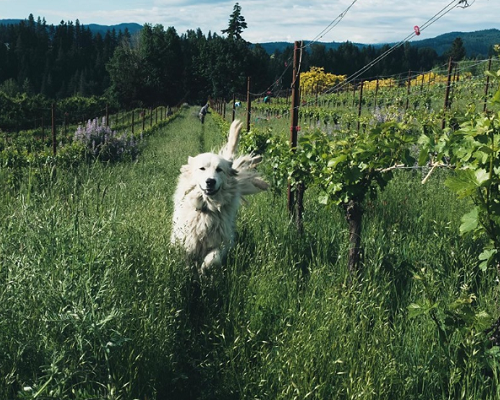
[(210, 172)]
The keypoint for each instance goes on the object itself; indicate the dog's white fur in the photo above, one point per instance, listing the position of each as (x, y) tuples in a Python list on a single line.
[(207, 198)]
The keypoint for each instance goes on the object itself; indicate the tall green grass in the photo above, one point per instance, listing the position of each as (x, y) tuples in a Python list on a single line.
[(95, 303)]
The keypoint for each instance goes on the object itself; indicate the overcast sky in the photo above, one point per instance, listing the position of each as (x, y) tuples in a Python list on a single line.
[(367, 21)]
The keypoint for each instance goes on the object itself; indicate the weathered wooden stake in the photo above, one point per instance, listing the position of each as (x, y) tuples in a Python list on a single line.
[(234, 107), (486, 88), (54, 144), (408, 90), (294, 128), (249, 103), (447, 93), (360, 105)]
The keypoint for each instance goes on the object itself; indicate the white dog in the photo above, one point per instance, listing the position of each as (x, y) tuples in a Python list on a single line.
[(207, 199)]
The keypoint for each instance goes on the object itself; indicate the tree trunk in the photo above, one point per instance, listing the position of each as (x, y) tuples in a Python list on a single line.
[(354, 214)]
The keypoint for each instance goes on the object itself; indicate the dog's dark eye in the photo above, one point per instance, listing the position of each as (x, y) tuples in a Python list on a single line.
[(202, 168), (218, 169)]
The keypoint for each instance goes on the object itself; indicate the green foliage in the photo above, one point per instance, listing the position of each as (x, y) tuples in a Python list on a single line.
[(22, 111), (150, 73), (345, 167), (33, 149), (359, 164), (473, 150), (95, 303), (457, 51), (459, 317), (56, 61), (165, 67)]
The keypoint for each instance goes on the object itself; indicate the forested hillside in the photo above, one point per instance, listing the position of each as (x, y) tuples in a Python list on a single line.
[(476, 44), (55, 61), (158, 65)]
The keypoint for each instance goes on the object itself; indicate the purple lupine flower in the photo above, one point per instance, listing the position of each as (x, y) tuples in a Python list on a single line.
[(104, 143)]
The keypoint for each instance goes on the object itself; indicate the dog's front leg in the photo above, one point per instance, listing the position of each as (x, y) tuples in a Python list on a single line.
[(212, 259)]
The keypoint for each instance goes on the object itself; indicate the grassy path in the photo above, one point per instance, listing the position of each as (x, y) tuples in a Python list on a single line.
[(89, 284)]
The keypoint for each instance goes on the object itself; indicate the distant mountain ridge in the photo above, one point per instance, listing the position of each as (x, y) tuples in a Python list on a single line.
[(102, 29), (477, 43), (94, 28)]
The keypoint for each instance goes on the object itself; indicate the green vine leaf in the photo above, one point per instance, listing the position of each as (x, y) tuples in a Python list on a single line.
[(470, 221), (463, 183), (482, 176), (487, 257)]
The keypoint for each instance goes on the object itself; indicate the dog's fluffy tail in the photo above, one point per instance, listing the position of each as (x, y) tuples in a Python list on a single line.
[(231, 148), (249, 180)]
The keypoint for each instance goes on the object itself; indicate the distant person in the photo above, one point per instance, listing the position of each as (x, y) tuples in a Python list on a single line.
[(204, 111)]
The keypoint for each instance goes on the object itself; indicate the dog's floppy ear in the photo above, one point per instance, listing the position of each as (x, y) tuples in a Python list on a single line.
[(186, 168)]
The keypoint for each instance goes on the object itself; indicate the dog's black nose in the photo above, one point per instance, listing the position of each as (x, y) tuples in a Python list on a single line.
[(210, 182)]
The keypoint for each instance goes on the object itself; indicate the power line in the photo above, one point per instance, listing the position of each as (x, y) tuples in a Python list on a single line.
[(331, 25), (320, 35), (445, 10), (441, 13)]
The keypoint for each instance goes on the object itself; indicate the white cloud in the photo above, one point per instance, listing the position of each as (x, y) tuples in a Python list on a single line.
[(368, 21)]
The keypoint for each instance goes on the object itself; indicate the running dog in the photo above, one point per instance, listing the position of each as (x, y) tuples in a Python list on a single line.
[(209, 191)]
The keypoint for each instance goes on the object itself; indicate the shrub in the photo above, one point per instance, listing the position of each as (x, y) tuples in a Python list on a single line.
[(105, 144)]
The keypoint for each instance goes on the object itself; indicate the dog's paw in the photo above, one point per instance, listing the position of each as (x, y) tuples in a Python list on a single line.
[(211, 260)]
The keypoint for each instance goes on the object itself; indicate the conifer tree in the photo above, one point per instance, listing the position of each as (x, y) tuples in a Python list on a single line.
[(236, 24)]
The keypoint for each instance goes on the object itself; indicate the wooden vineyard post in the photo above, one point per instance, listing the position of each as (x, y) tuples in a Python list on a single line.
[(295, 206), (447, 93), (54, 144), (234, 108), (456, 76), (43, 129), (408, 90), (486, 88), (65, 124), (354, 214), (249, 103), (360, 105)]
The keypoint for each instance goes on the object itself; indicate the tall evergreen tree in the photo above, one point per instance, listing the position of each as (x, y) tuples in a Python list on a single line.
[(457, 50), (236, 24)]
